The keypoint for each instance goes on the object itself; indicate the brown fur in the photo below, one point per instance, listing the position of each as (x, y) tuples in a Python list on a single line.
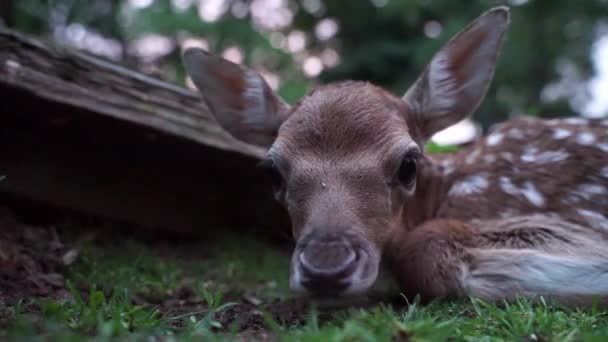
[(430, 253), (522, 212)]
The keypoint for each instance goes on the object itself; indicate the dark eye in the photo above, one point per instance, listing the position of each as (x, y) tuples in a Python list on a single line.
[(407, 170), (270, 168)]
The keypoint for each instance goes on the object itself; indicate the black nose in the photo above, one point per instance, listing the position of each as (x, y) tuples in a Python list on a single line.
[(326, 264)]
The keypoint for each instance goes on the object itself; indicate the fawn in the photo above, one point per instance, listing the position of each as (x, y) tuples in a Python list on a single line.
[(521, 212)]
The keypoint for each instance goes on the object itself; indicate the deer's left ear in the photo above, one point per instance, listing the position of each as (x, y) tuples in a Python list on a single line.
[(239, 98), (457, 78)]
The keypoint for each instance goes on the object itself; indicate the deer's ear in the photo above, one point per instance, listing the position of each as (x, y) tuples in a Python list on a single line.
[(457, 78), (238, 97)]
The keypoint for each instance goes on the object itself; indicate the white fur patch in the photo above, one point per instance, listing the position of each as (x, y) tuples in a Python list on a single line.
[(585, 138), (507, 156), (604, 172), (561, 133), (507, 186), (447, 167), (471, 185), (494, 139), (575, 121), (515, 133), (506, 273), (527, 191), (489, 158), (446, 162), (532, 194), (595, 219), (551, 156), (448, 170), (603, 146), (472, 157), (530, 156), (588, 190)]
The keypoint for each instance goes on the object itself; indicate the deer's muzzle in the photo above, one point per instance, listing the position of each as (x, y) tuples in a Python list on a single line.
[(332, 264)]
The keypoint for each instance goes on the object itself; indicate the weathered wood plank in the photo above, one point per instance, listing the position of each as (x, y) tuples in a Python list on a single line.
[(67, 76), (81, 133)]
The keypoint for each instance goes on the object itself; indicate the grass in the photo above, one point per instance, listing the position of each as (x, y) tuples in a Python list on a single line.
[(132, 291)]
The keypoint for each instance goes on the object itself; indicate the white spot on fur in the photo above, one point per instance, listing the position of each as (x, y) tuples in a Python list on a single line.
[(595, 219), (494, 139), (489, 158), (446, 162), (471, 185), (570, 199), (507, 186), (446, 167), (448, 170), (603, 146), (604, 172), (561, 133), (532, 194), (588, 190), (575, 121), (551, 156), (515, 133), (528, 191), (585, 138), (472, 157), (507, 156), (529, 154)]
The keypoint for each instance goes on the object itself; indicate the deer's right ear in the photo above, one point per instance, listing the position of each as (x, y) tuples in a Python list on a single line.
[(457, 78), (239, 98)]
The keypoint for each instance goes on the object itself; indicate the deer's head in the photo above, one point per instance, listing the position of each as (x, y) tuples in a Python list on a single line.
[(344, 158)]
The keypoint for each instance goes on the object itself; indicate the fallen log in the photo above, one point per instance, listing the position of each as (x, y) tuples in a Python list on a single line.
[(82, 133)]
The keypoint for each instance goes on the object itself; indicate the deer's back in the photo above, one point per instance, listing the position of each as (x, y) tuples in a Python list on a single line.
[(528, 166)]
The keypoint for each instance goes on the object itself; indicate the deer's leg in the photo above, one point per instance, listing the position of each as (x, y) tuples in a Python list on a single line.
[(527, 256)]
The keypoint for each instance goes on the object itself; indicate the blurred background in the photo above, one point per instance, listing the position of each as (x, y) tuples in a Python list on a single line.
[(555, 61)]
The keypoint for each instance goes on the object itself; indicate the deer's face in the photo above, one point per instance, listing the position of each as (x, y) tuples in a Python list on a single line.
[(344, 158), (344, 164)]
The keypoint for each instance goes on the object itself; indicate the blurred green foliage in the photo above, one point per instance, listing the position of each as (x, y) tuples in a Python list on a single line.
[(387, 42)]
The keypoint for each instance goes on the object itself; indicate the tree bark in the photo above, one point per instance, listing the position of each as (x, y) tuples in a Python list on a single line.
[(82, 133)]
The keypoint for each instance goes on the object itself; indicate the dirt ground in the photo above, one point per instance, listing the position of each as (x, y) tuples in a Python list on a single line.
[(32, 260)]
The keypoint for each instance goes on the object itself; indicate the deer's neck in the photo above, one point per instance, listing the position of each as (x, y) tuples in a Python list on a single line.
[(432, 184)]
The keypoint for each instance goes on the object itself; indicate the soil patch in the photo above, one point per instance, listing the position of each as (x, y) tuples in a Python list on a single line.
[(32, 260)]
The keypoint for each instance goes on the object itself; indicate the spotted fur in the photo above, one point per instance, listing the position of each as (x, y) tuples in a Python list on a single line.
[(521, 212)]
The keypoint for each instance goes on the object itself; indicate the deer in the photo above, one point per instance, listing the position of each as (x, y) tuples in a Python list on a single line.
[(520, 213)]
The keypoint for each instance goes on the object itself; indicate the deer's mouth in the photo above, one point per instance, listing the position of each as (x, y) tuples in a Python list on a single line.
[(333, 265)]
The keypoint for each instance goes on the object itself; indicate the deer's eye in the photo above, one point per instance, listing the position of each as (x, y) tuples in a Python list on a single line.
[(407, 170), (271, 170)]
